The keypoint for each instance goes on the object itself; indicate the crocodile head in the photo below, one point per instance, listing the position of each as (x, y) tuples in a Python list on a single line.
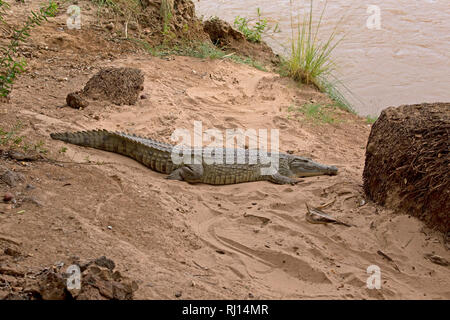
[(304, 167)]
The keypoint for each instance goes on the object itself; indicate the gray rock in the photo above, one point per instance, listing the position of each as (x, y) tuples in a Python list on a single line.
[(12, 178)]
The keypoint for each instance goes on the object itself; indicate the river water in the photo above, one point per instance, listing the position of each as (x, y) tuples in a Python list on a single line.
[(394, 51)]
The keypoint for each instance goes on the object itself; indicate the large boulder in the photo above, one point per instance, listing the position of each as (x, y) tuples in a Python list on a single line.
[(407, 162), (116, 85)]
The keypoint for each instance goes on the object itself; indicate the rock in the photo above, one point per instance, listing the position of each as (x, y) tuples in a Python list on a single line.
[(117, 85), (8, 197), (110, 26), (33, 200), (407, 161), (11, 252), (12, 178), (52, 286), (178, 294), (76, 101), (116, 276), (122, 291), (30, 187), (21, 156), (133, 25), (99, 283), (50, 283), (105, 262)]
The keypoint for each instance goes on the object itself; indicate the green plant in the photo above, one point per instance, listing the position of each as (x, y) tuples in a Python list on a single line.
[(315, 112), (202, 50), (102, 4), (255, 32), (122, 7), (105, 3), (3, 7), (7, 136), (166, 15), (371, 119), (310, 59), (330, 88), (9, 66), (26, 147), (129, 10), (12, 139), (185, 28), (39, 147)]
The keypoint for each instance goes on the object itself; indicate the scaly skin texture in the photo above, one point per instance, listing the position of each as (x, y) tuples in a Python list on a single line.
[(158, 157)]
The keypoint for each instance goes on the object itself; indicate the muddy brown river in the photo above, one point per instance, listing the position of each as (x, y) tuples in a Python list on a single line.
[(394, 51)]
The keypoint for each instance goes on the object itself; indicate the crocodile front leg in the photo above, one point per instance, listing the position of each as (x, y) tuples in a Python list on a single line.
[(279, 179), (191, 173)]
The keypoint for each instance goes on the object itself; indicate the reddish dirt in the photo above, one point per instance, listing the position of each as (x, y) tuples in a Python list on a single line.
[(182, 25), (177, 240)]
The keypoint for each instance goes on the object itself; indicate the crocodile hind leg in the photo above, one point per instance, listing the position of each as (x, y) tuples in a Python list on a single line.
[(280, 179), (190, 173)]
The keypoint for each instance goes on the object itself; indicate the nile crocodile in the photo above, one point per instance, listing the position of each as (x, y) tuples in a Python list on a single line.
[(157, 156)]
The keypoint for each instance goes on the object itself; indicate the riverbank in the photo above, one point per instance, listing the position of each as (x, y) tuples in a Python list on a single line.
[(403, 62), (244, 241)]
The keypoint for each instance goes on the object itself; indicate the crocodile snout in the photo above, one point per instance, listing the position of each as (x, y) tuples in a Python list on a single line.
[(332, 171)]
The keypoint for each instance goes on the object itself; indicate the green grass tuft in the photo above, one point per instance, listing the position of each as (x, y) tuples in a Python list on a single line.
[(315, 112), (371, 119), (251, 33), (12, 140), (166, 15), (201, 50), (330, 88), (310, 60)]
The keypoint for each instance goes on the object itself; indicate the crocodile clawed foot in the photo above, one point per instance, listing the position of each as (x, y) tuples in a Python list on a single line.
[(175, 175), (293, 183), (280, 179), (190, 173)]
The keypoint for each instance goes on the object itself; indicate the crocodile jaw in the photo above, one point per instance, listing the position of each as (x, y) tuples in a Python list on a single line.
[(304, 167)]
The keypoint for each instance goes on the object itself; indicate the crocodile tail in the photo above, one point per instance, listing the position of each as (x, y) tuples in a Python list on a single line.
[(94, 138), (100, 139), (151, 153)]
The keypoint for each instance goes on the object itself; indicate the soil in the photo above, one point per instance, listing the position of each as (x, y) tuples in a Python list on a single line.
[(408, 161), (182, 241), (182, 24)]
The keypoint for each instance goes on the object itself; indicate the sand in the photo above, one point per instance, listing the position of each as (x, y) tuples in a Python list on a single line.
[(228, 242)]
